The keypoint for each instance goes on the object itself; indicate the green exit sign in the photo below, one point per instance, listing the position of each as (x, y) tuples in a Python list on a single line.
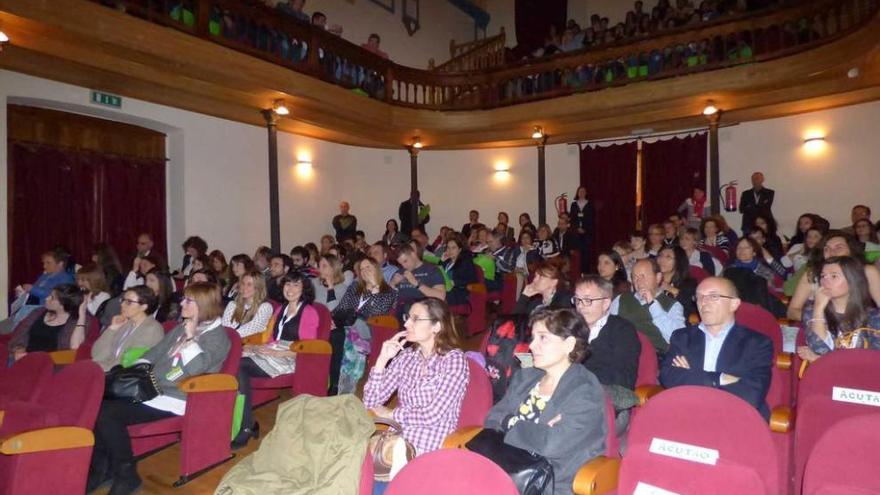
[(108, 100)]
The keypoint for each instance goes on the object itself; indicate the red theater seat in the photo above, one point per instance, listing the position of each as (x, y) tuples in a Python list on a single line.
[(432, 474)]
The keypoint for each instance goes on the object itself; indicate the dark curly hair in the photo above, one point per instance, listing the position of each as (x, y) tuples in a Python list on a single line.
[(308, 288), (565, 323)]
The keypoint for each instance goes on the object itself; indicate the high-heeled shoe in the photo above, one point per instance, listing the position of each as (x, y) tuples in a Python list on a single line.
[(245, 435)]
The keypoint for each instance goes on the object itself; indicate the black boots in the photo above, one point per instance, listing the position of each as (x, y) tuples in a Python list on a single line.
[(245, 435), (125, 479)]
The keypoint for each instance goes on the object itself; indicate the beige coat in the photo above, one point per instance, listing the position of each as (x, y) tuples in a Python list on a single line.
[(316, 448)]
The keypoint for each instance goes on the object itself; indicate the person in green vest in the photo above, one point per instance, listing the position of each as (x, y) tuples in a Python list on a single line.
[(653, 312)]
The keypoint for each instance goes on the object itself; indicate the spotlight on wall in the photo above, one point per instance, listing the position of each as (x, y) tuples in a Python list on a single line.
[(417, 142), (710, 109), (537, 132), (280, 108)]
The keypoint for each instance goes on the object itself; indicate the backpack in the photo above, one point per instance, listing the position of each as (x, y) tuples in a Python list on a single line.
[(507, 336)]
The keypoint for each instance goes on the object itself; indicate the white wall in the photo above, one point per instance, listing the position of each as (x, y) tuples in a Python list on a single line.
[(440, 22)]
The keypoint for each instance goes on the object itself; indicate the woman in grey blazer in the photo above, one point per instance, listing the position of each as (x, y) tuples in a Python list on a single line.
[(557, 408)]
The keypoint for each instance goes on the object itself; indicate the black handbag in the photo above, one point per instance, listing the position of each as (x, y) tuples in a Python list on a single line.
[(531, 473), (134, 384)]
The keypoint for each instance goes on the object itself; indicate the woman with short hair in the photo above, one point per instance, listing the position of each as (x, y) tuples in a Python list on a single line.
[(712, 234), (458, 263), (429, 372), (547, 289), (132, 328), (60, 324), (555, 409), (90, 278)]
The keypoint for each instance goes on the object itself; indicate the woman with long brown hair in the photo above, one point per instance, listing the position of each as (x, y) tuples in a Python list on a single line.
[(249, 313)]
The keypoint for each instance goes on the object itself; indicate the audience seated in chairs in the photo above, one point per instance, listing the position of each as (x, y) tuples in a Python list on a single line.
[(416, 279), (841, 315), (393, 236), (719, 352), (249, 313), (459, 266), (650, 309), (194, 247), (55, 272), (712, 234), (526, 256), (61, 324), (772, 242), (105, 257), (90, 279), (197, 346), (298, 320), (331, 283), (430, 376), (133, 328), (689, 241), (677, 281), (239, 265), (771, 260), (503, 227), (139, 269), (835, 243), (367, 297), (547, 289), (654, 242), (557, 408), (279, 266), (379, 253), (753, 278), (609, 266)]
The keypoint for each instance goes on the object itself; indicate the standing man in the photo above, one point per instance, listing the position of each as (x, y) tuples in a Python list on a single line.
[(407, 222), (345, 224), (473, 221), (755, 201)]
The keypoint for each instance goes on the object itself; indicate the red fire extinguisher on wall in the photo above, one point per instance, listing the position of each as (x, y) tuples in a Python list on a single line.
[(562, 203), (729, 193)]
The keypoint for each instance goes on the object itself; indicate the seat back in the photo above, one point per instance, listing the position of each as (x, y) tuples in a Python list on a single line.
[(508, 294), (478, 298), (612, 443), (325, 321), (762, 321), (169, 325), (312, 371), (837, 386), (697, 273), (93, 331), (233, 359), (844, 458), (481, 276), (74, 394), (649, 368), (27, 377), (431, 474), (574, 261), (382, 328), (477, 396), (717, 252), (693, 439)]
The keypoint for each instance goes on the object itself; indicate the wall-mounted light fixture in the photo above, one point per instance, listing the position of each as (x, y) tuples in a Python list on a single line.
[(815, 144), (280, 107), (537, 132), (417, 142), (304, 165), (710, 109), (502, 171)]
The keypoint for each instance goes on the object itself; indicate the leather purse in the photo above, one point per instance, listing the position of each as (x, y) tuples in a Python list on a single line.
[(531, 473), (134, 384), (382, 444)]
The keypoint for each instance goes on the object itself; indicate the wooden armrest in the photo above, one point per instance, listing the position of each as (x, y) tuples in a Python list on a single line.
[(458, 438), (257, 338), (784, 322), (385, 321), (311, 346), (694, 319), (645, 392), (215, 382), (804, 365), (781, 419), (477, 288), (783, 361), (63, 357), (2, 414), (46, 439), (596, 477)]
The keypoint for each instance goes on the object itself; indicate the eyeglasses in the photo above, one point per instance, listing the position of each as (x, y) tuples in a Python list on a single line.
[(130, 301), (586, 301), (407, 317), (712, 298)]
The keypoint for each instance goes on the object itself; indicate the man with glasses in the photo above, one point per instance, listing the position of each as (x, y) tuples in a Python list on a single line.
[(614, 345), (651, 310), (718, 352)]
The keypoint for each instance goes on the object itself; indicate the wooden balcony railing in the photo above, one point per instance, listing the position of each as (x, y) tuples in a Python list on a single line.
[(474, 56), (252, 28)]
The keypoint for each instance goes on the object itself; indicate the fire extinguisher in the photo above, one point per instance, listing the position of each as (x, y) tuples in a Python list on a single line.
[(729, 190), (562, 203)]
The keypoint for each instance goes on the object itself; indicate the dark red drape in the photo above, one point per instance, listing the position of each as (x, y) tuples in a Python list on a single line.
[(76, 199), (533, 19), (672, 169), (609, 174)]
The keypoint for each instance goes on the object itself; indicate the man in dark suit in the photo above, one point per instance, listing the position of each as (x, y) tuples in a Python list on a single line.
[(614, 344), (755, 201), (718, 352), (473, 221), (564, 236)]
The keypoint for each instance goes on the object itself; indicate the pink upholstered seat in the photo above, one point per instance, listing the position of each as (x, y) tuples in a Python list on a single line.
[(844, 459), (451, 471), (26, 378), (477, 397)]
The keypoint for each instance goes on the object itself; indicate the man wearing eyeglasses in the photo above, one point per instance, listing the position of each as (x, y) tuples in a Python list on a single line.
[(614, 344), (718, 352)]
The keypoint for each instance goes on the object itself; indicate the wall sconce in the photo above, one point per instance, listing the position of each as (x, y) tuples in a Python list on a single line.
[(502, 171), (710, 109), (815, 144), (280, 108), (537, 132), (304, 165), (417, 142)]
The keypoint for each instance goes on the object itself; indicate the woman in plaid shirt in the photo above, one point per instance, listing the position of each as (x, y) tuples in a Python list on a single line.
[(429, 376)]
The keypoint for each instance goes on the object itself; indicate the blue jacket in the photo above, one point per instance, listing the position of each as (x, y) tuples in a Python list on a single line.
[(48, 281), (745, 354)]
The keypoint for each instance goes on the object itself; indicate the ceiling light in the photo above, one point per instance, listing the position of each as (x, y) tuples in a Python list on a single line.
[(417, 143), (3, 37), (537, 132), (710, 109), (280, 108)]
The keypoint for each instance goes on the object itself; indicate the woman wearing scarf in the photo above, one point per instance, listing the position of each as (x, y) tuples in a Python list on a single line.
[(694, 208)]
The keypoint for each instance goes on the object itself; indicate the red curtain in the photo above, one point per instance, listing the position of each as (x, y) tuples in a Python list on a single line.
[(76, 199), (672, 169), (609, 174)]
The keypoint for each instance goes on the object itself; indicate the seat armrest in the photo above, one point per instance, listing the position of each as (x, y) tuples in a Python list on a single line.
[(458, 438), (781, 419), (67, 356), (783, 360), (645, 392), (46, 439), (597, 476), (214, 382), (311, 346)]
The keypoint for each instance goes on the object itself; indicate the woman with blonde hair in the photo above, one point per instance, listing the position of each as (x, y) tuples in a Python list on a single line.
[(331, 283), (90, 278), (249, 313)]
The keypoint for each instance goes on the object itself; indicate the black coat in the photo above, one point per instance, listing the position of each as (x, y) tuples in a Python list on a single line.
[(583, 219), (751, 208), (614, 354)]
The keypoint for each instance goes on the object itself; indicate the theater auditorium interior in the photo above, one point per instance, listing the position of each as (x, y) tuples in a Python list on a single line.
[(527, 247)]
